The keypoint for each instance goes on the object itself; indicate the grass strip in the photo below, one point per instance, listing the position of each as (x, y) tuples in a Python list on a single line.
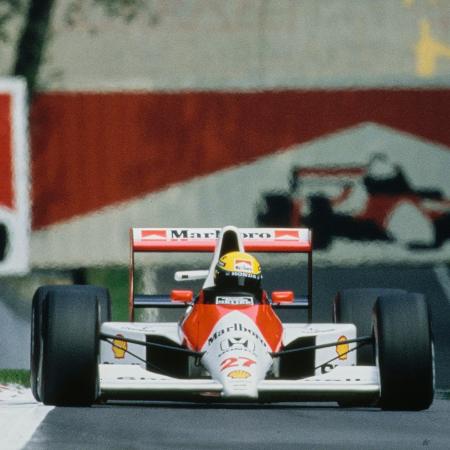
[(15, 376)]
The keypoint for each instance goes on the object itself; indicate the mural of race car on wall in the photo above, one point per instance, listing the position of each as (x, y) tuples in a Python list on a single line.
[(362, 203)]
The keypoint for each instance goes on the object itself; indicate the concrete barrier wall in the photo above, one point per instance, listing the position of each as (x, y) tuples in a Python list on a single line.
[(367, 169), (246, 44), (168, 44)]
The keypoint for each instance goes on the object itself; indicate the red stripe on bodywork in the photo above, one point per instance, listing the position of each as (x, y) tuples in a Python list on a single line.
[(198, 325), (210, 245)]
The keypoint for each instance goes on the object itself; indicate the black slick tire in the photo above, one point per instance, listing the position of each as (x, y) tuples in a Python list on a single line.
[(355, 306), (103, 299), (404, 352), (68, 364)]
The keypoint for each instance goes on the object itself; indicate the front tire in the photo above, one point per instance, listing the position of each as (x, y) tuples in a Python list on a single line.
[(70, 346), (103, 299), (404, 352)]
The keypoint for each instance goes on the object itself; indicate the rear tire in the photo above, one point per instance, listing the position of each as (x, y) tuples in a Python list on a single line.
[(355, 306), (39, 297), (404, 352)]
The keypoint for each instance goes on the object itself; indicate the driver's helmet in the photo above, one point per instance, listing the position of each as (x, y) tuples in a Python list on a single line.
[(238, 270)]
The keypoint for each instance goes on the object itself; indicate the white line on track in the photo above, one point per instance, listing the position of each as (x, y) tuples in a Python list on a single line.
[(20, 415), (443, 279)]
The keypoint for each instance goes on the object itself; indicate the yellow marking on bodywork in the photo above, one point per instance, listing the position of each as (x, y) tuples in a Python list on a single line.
[(119, 347), (342, 349)]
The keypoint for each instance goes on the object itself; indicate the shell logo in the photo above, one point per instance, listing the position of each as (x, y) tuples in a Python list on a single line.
[(342, 349), (243, 265), (119, 347), (239, 374)]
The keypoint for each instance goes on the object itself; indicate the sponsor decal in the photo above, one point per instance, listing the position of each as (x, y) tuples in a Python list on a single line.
[(342, 349), (243, 265), (325, 368), (119, 347), (244, 274), (153, 235), (147, 378), (239, 374), (139, 327), (236, 327), (210, 394), (287, 235), (193, 234), (312, 330), (257, 235), (222, 300), (237, 343), (234, 361)]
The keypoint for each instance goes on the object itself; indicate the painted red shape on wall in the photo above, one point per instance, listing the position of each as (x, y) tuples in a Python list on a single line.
[(91, 150), (6, 172)]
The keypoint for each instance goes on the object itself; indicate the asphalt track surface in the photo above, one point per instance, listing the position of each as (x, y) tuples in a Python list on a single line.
[(137, 425), (290, 426)]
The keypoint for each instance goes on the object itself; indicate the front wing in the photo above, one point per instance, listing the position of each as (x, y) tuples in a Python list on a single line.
[(339, 384)]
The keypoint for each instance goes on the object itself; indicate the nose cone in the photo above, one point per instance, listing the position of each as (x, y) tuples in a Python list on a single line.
[(237, 356), (240, 383)]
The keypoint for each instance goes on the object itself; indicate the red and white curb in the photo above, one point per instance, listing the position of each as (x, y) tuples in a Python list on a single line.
[(20, 415)]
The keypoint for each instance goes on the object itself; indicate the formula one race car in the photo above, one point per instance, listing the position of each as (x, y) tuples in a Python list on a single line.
[(230, 344)]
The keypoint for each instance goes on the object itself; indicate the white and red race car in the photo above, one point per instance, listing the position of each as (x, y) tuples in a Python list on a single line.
[(230, 345)]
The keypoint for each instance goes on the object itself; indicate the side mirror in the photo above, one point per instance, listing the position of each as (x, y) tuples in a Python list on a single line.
[(181, 296), (188, 275), (282, 297)]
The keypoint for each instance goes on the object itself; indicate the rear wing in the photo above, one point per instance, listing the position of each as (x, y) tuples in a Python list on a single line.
[(275, 240), (296, 240)]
